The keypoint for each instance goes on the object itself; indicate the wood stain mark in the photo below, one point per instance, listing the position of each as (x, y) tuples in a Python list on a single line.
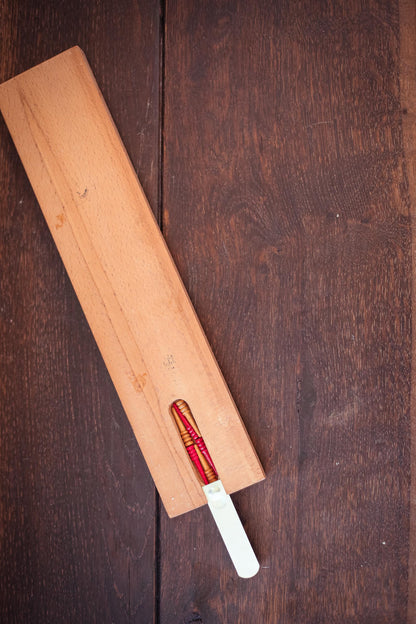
[(194, 618), (169, 362), (60, 220), (84, 194), (138, 381)]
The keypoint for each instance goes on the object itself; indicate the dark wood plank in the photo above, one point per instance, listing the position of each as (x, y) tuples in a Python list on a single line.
[(408, 101), (77, 510), (286, 208)]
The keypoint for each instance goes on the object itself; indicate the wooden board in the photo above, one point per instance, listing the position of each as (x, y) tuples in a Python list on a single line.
[(130, 291), (292, 111), (407, 15), (78, 507)]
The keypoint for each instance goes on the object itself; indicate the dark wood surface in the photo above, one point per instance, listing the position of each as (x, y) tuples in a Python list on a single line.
[(78, 516), (268, 137)]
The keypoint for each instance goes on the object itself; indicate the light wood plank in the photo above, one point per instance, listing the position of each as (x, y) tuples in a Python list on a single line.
[(123, 274)]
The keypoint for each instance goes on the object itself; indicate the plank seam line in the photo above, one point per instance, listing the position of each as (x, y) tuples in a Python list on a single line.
[(161, 130)]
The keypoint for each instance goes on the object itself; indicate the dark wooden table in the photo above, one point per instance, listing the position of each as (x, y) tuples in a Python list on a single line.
[(276, 143)]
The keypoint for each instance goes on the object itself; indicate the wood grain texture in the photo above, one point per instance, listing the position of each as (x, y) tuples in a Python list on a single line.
[(121, 270), (295, 213), (77, 503), (408, 101), (278, 117)]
